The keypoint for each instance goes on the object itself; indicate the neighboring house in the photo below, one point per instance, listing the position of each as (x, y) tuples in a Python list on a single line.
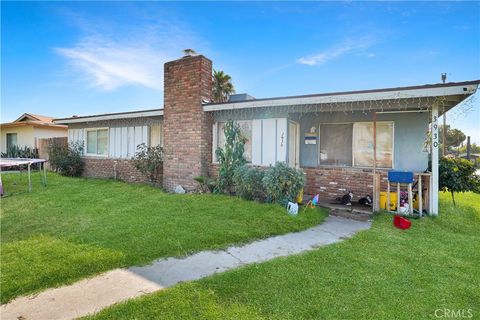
[(28, 129), (329, 135)]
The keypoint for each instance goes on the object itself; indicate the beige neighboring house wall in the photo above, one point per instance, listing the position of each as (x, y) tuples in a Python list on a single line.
[(29, 129)]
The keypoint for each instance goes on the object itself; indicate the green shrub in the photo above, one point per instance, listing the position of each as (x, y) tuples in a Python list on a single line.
[(206, 184), (20, 152), (248, 183), (230, 157), (282, 183), (457, 175), (66, 159), (148, 160)]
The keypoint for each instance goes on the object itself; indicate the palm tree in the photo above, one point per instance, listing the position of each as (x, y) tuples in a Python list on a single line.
[(222, 86)]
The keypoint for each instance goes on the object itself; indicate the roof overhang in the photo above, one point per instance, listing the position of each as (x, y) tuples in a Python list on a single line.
[(111, 116), (450, 94), (32, 124)]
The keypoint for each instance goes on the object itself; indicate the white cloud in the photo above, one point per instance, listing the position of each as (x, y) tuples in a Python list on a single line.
[(346, 47), (109, 61)]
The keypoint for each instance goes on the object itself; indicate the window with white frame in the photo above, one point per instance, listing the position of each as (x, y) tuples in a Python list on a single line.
[(245, 129), (351, 144), (97, 141)]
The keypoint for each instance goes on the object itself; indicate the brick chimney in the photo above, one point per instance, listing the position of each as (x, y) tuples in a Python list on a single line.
[(187, 129)]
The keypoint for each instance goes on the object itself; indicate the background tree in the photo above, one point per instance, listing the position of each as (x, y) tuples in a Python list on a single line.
[(458, 175), (453, 137), (474, 148), (222, 86)]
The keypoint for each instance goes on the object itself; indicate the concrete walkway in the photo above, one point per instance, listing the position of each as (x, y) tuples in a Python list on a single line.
[(91, 295)]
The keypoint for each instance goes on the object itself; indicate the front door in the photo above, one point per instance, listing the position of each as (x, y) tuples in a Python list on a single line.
[(293, 144)]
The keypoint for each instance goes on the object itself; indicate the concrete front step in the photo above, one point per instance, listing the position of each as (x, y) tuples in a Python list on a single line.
[(355, 215)]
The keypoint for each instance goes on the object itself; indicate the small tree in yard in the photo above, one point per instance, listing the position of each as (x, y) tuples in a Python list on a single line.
[(230, 157), (66, 159), (458, 175), (148, 160)]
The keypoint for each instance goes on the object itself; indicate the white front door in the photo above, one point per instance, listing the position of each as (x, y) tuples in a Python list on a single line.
[(293, 144)]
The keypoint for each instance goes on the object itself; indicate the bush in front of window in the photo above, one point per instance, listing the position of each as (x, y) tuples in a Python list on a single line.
[(248, 183), (66, 159), (230, 157), (149, 160), (282, 183)]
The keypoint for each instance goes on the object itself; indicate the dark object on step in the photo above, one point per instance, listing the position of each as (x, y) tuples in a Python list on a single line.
[(366, 201), (346, 199)]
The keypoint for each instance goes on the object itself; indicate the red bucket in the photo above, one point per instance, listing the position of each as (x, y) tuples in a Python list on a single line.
[(401, 222)]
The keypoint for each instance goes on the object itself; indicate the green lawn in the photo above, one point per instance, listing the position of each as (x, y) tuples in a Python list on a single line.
[(76, 228), (382, 273)]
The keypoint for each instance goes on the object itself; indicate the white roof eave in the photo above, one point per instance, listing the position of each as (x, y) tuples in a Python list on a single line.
[(135, 114), (348, 97)]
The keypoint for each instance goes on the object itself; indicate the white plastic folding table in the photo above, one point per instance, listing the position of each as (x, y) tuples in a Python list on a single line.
[(13, 162)]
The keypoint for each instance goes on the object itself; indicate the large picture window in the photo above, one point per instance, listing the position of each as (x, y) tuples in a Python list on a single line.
[(97, 141), (245, 129), (363, 144), (351, 144), (336, 144)]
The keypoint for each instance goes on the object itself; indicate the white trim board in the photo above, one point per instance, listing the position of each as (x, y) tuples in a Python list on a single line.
[(113, 116), (348, 97)]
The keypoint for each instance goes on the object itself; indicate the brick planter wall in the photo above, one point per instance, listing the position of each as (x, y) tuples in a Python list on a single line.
[(124, 169), (331, 183), (335, 182)]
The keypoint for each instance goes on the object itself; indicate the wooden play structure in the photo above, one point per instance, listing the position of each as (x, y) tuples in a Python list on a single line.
[(417, 186)]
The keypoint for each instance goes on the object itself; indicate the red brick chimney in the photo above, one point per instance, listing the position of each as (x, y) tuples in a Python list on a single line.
[(187, 129)]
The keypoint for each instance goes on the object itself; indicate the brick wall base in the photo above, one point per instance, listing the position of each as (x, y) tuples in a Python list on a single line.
[(331, 183), (120, 169)]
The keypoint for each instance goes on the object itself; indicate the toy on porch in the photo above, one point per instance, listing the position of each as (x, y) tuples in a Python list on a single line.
[(312, 203)]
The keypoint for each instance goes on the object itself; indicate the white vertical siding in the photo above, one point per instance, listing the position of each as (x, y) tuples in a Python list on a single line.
[(118, 142), (138, 136), (145, 138), (281, 140), (269, 141), (111, 143), (124, 144), (257, 142), (75, 135), (215, 141), (132, 148)]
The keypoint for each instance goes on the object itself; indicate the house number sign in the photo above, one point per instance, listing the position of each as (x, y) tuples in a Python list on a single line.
[(435, 131)]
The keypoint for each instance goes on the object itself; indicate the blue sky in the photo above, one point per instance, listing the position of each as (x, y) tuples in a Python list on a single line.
[(66, 58)]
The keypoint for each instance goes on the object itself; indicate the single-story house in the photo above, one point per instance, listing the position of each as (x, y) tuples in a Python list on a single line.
[(27, 129), (329, 135)]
